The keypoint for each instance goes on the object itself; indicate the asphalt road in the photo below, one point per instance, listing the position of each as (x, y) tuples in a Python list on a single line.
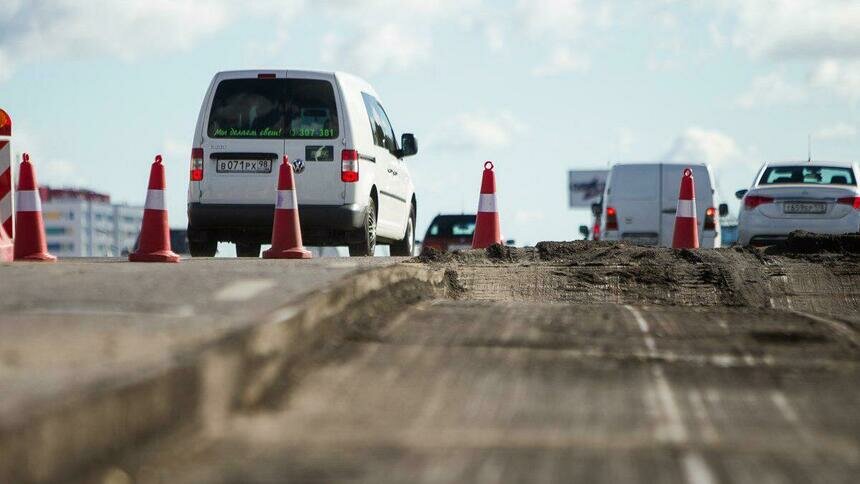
[(65, 325), (466, 391)]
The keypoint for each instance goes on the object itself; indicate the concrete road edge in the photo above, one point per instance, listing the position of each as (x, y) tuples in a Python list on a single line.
[(202, 385)]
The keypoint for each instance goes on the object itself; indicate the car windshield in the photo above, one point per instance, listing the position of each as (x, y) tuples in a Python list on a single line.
[(808, 175), (452, 226), (274, 108)]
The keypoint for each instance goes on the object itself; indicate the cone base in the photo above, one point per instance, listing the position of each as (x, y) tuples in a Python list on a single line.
[(160, 256), (294, 253), (37, 257)]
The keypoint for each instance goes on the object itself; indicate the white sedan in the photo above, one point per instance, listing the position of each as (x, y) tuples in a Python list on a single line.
[(819, 197)]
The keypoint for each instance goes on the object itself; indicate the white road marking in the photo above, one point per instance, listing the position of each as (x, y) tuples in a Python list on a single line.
[(695, 467), (244, 289)]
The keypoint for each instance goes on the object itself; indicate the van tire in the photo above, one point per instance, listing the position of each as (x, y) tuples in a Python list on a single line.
[(367, 246), (247, 250), (406, 246), (203, 248)]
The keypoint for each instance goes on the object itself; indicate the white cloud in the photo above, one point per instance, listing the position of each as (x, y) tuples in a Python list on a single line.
[(703, 146), (797, 29), (558, 19), (771, 89), (42, 30), (562, 60), (837, 131), (477, 132), (841, 77), (362, 53)]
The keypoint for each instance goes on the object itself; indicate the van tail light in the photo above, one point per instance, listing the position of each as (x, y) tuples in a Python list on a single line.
[(611, 219), (595, 232), (349, 166), (196, 164), (710, 221), (853, 201), (753, 201)]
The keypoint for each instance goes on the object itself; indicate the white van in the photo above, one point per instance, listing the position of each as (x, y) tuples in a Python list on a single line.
[(352, 182), (640, 200)]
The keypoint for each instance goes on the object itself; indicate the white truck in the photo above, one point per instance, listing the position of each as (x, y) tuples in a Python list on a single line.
[(640, 200)]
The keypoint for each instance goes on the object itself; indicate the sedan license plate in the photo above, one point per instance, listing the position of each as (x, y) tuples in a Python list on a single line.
[(804, 207), (243, 166)]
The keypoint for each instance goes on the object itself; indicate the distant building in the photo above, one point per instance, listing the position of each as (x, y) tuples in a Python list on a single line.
[(82, 223)]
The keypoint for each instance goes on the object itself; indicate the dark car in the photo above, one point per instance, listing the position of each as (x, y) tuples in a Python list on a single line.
[(450, 232)]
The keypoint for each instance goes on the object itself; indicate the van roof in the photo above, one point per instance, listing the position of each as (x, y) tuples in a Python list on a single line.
[(659, 163), (344, 77)]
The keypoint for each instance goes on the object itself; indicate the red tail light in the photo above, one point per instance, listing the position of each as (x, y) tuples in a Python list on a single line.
[(595, 232), (349, 166), (853, 201), (266, 75), (753, 201), (196, 164), (611, 219), (710, 222)]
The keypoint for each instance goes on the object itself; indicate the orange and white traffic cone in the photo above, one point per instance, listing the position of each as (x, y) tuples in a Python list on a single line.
[(7, 194), (686, 235), (154, 237), (30, 243), (487, 230), (7, 250), (286, 230)]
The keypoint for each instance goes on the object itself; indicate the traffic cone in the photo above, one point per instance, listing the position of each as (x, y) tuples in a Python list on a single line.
[(154, 237), (30, 243), (7, 250), (686, 234), (487, 231), (286, 231)]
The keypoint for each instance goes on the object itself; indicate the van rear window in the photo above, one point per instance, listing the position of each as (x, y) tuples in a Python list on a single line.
[(274, 108)]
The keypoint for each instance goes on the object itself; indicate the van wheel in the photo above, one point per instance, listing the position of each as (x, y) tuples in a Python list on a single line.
[(366, 247), (247, 250), (406, 246), (203, 248)]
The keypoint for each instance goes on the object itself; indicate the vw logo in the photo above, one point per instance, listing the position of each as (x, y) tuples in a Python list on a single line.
[(298, 165)]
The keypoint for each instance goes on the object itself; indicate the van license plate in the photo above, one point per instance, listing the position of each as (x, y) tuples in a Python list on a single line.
[(806, 207), (243, 166)]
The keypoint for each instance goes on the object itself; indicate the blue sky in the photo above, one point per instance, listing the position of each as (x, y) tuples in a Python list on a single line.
[(97, 88)]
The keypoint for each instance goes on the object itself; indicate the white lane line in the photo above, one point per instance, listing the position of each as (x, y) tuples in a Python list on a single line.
[(694, 465), (243, 289), (674, 431), (700, 411), (645, 328), (780, 401), (696, 469), (837, 326)]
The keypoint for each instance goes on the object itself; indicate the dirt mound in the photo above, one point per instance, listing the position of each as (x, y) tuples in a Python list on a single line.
[(812, 273), (800, 242)]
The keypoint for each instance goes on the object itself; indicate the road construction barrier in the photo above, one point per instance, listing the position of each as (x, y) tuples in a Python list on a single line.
[(154, 238), (286, 230), (7, 192), (686, 235), (30, 242), (487, 230)]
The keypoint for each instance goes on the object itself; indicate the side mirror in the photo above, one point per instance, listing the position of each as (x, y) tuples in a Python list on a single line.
[(408, 145), (583, 229), (724, 209), (740, 194), (596, 208)]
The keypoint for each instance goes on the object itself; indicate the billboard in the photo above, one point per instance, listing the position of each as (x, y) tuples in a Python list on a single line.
[(585, 187)]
